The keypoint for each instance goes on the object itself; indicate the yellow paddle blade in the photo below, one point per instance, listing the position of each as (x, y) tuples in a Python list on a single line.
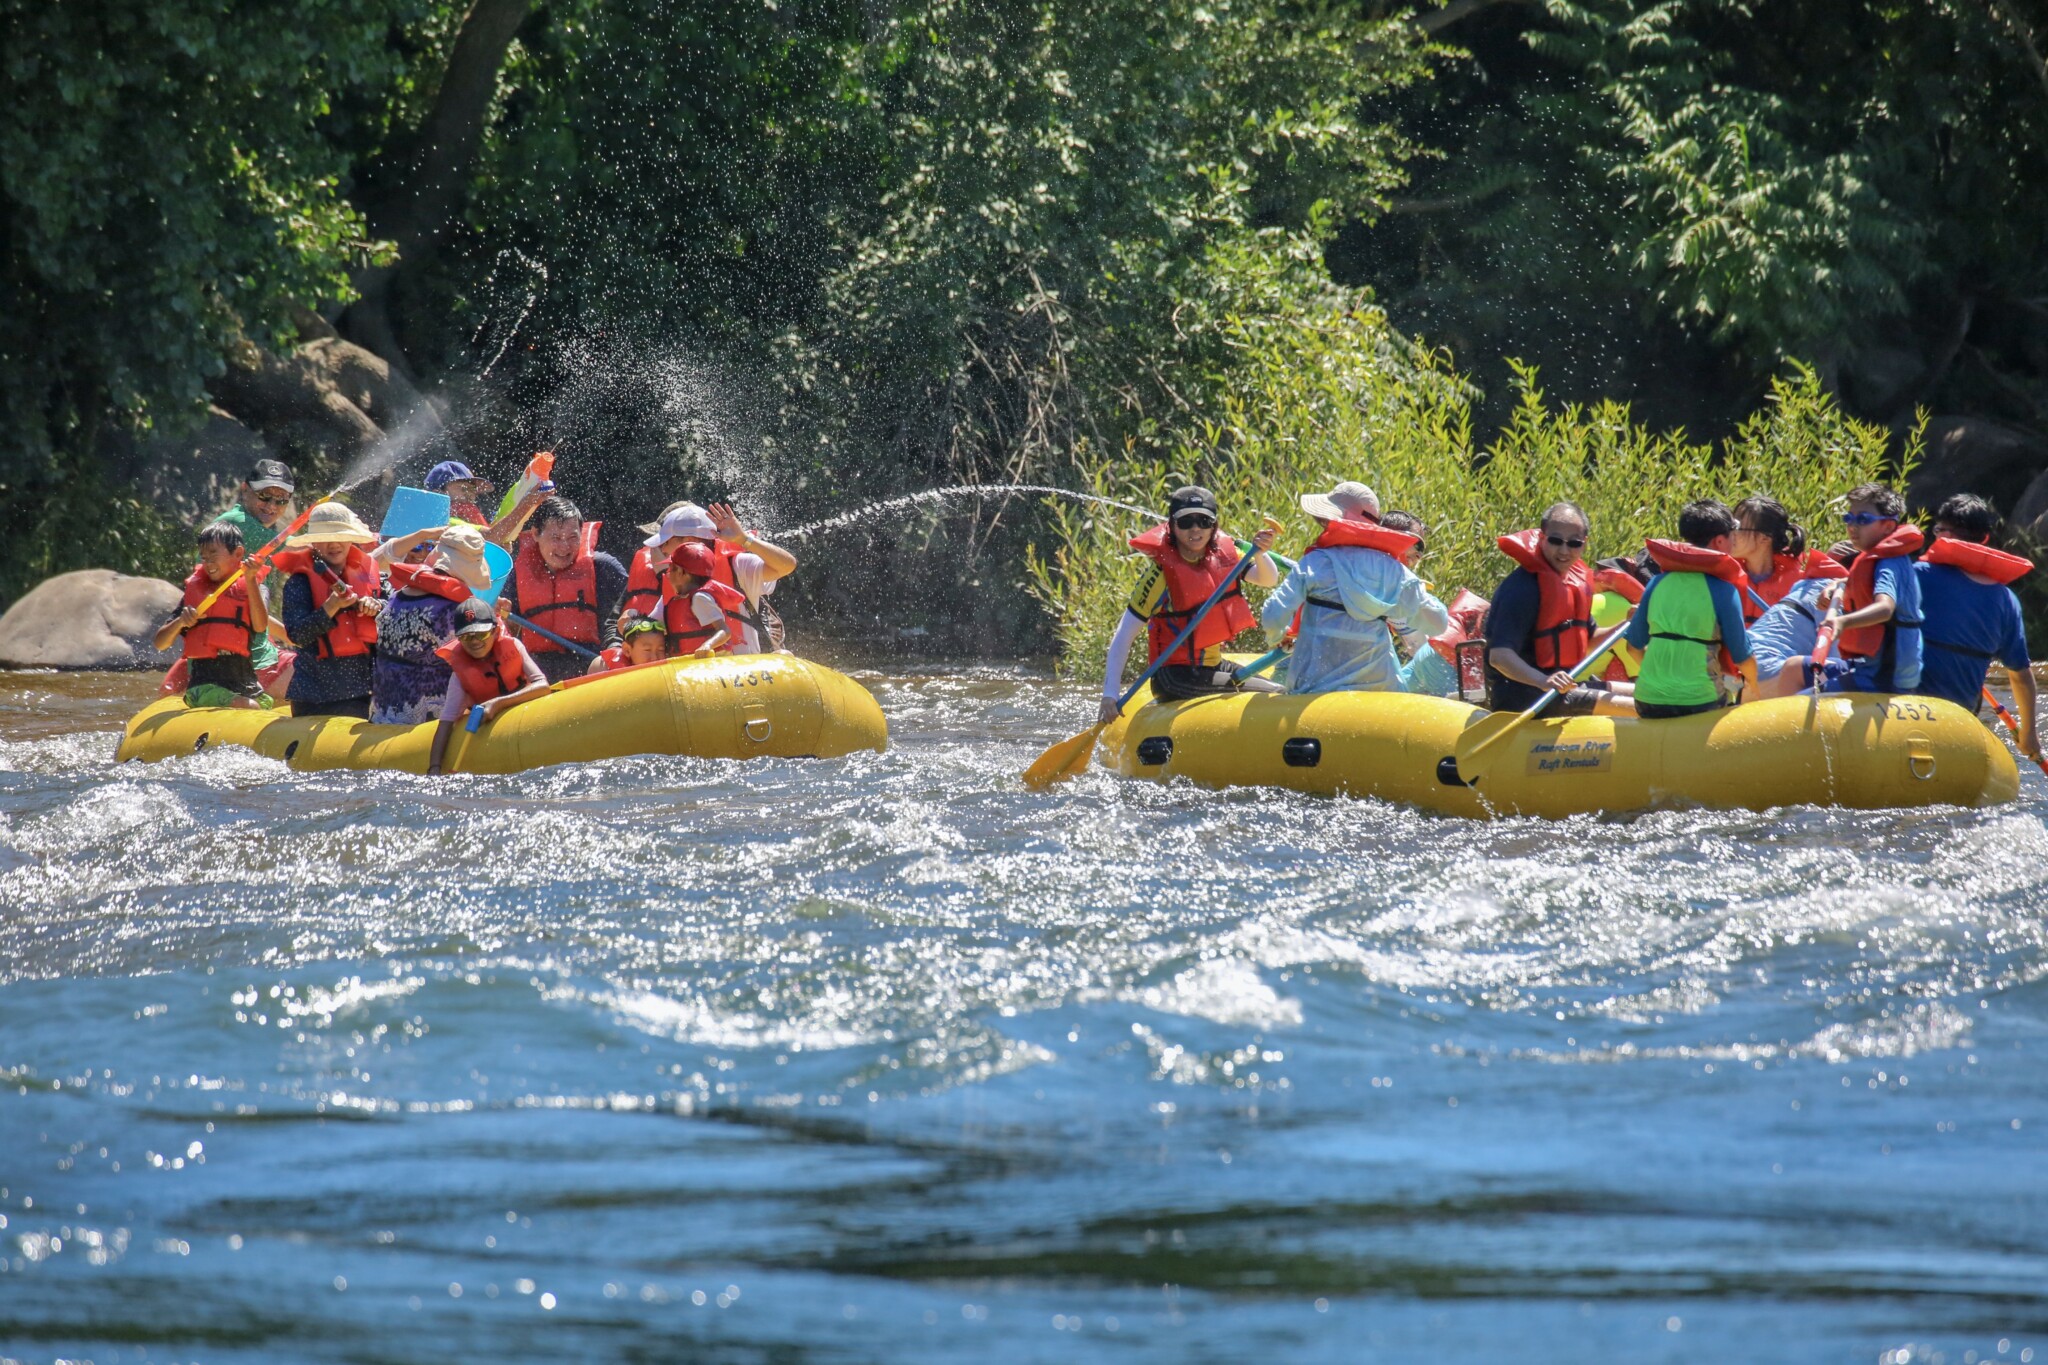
[(1066, 759), (1478, 741)]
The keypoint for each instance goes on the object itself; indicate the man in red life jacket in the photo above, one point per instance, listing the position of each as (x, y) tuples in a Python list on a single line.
[(565, 590), (746, 563), (1541, 622), (1972, 615), (1190, 555), (702, 615), (1349, 589), (488, 668), (219, 669)]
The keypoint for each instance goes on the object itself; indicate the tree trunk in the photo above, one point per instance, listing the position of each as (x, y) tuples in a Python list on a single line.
[(415, 212)]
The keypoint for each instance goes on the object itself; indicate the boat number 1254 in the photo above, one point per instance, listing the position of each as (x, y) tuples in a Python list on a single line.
[(754, 679)]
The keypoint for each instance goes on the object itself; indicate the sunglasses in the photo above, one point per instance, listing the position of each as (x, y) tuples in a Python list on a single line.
[(1193, 521), (1567, 544), (274, 499), (1864, 518)]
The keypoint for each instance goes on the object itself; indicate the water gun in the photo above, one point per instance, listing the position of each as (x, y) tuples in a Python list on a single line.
[(537, 471)]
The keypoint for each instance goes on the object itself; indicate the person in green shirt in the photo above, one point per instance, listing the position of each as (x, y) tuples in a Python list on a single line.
[(262, 510)]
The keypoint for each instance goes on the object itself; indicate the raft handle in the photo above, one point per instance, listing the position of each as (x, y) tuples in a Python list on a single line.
[(1447, 773), (1919, 757), (200, 743), (1301, 753), (1156, 750), (291, 751)]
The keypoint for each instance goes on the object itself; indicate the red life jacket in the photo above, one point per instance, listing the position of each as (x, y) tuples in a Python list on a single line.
[(1620, 583), (643, 583), (564, 603), (422, 578), (686, 633), (1772, 587), (496, 674), (353, 632), (1868, 641), (224, 629), (1675, 556), (1821, 564), (1467, 611), (1187, 587), (1564, 613), (1971, 557), (612, 656)]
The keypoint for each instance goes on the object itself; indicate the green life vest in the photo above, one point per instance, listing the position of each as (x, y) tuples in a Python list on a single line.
[(1682, 665)]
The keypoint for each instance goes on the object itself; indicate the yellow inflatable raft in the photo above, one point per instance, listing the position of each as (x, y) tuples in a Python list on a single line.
[(1868, 752), (753, 706)]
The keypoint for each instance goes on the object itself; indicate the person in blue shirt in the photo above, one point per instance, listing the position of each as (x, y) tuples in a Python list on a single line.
[(1782, 639), (1877, 618), (1972, 617), (1690, 618)]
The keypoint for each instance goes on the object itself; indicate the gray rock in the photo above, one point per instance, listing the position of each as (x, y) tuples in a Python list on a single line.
[(1977, 455), (94, 618), (2030, 513), (195, 477)]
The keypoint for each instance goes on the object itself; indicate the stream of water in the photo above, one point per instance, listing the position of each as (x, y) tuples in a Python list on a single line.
[(885, 1059)]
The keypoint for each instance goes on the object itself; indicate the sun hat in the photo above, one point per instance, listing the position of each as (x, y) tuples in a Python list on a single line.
[(474, 615), (461, 553), (451, 471), (1348, 501), (695, 558), (331, 521), (685, 519), (650, 527), (1192, 498), (270, 474)]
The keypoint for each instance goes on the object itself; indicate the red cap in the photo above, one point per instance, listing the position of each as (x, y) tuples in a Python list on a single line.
[(695, 558)]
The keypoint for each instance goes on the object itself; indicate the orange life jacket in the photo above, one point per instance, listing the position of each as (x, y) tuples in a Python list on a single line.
[(1620, 583), (224, 629), (1972, 557), (1466, 611), (423, 578), (1187, 587), (564, 603), (496, 674), (686, 633), (1676, 556), (353, 632), (1867, 642), (612, 656), (643, 582), (1564, 613), (1772, 587)]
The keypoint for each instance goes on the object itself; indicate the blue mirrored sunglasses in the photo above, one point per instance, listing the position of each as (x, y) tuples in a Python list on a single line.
[(1864, 518)]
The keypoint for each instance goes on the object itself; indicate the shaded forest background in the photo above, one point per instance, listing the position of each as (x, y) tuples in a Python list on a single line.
[(810, 252)]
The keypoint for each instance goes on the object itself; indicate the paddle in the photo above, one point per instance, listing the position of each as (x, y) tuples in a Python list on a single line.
[(263, 555), (1479, 739), (1069, 757), (1260, 664), (2011, 723), (516, 619)]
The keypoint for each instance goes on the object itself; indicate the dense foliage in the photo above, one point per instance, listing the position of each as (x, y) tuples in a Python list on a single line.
[(815, 250)]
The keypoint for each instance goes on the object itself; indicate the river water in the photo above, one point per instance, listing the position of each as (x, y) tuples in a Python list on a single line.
[(886, 1059)]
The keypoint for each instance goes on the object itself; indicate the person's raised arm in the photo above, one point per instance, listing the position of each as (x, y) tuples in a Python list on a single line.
[(506, 529), (776, 562)]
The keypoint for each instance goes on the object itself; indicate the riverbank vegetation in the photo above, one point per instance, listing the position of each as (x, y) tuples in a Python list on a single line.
[(811, 252)]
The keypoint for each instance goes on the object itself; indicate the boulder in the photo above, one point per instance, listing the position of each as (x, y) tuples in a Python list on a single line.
[(194, 478), (1977, 455), (94, 618), (2030, 513)]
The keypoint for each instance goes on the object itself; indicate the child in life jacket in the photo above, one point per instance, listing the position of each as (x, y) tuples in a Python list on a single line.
[(219, 671), (491, 671), (641, 641), (701, 615), (1190, 557), (1876, 619), (1689, 625), (1972, 617), (1348, 595)]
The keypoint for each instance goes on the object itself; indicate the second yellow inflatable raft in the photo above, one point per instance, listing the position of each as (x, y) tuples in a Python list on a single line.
[(1868, 752), (752, 706)]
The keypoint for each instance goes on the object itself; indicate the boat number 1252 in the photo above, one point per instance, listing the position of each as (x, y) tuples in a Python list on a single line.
[(1909, 710)]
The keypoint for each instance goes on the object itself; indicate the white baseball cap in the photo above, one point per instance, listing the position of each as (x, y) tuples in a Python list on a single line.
[(687, 520)]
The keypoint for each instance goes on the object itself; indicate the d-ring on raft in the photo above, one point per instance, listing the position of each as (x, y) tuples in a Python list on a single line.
[(726, 706), (1861, 751)]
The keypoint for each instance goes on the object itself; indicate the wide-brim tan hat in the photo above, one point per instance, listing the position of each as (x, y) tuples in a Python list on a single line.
[(461, 553), (1348, 501), (333, 521)]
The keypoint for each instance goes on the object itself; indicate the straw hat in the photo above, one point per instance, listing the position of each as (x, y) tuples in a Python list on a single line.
[(331, 521), (1348, 501), (461, 554)]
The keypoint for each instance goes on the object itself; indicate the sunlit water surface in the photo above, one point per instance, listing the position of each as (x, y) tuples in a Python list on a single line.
[(886, 1059)]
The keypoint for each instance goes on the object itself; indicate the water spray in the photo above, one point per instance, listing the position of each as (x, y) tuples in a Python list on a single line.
[(931, 495)]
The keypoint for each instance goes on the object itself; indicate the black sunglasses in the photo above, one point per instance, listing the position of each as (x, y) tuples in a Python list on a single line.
[(1568, 544), (1194, 521)]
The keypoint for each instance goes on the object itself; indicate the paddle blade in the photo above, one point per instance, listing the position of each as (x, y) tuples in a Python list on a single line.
[(1064, 760), (1477, 746)]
